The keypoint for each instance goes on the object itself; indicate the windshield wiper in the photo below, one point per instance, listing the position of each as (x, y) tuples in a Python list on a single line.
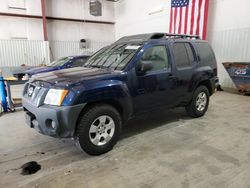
[(94, 66)]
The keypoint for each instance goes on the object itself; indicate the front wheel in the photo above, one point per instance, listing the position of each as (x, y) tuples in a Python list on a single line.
[(98, 129), (199, 103)]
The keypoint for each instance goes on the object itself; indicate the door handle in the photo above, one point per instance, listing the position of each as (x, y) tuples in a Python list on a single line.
[(172, 77), (141, 91)]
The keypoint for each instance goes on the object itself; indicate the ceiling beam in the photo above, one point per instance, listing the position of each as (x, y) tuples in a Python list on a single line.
[(55, 18), (79, 20)]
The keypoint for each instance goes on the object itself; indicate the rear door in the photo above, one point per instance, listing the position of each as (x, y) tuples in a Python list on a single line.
[(185, 62)]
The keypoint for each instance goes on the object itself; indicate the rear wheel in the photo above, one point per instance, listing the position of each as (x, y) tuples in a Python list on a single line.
[(98, 129), (199, 103)]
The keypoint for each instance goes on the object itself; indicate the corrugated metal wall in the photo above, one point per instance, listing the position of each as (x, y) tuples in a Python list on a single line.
[(66, 48), (18, 52), (230, 46)]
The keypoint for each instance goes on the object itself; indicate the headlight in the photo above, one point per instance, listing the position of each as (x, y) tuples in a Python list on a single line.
[(55, 97)]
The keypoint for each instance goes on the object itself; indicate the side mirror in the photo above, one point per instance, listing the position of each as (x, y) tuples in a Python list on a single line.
[(144, 67)]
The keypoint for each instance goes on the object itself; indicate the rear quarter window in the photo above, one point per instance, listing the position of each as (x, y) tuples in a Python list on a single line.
[(206, 53)]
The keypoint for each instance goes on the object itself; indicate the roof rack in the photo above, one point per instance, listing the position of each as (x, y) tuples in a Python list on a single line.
[(146, 37), (171, 35)]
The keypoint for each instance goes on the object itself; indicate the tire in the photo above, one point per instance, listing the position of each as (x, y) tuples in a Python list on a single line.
[(199, 102), (98, 129)]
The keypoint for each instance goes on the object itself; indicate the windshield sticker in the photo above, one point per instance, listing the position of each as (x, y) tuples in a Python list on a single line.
[(132, 47)]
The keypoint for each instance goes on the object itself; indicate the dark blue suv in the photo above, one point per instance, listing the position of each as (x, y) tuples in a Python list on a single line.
[(136, 74)]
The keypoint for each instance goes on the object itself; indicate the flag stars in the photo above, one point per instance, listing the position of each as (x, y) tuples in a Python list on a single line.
[(180, 3)]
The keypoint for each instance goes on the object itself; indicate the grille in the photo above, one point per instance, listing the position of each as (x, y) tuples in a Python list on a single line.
[(37, 95)]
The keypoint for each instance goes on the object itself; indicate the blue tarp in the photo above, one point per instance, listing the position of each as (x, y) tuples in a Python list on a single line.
[(3, 98)]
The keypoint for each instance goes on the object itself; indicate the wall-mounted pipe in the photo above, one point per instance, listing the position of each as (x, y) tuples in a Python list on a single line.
[(20, 15), (55, 18), (79, 20)]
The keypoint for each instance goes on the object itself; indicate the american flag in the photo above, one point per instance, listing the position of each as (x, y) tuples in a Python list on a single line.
[(189, 17)]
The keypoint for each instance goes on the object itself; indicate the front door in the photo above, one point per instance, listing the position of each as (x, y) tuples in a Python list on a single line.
[(154, 88)]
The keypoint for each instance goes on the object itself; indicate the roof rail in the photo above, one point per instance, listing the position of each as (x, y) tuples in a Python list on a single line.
[(171, 35), (148, 36)]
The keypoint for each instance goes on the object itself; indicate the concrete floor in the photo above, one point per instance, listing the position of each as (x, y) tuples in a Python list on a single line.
[(160, 150)]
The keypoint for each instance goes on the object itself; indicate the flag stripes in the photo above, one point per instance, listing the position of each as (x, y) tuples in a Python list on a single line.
[(189, 17)]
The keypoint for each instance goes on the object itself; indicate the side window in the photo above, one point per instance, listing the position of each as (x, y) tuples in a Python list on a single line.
[(183, 54), (78, 63), (158, 56), (190, 53), (206, 53)]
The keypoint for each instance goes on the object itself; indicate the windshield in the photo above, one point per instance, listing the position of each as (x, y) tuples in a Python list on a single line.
[(60, 62), (115, 57)]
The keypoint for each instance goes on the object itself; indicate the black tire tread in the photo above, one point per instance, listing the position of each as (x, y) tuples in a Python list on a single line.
[(191, 109), (83, 121)]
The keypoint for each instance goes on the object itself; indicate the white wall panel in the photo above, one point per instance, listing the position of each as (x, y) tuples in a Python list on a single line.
[(58, 30), (230, 46), (18, 28), (16, 3), (64, 9), (74, 31), (33, 7), (229, 33), (79, 9), (18, 52), (68, 48), (13, 27), (228, 14), (34, 29), (134, 17)]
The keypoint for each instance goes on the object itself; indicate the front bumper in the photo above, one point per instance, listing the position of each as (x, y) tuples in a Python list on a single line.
[(56, 121), (214, 83)]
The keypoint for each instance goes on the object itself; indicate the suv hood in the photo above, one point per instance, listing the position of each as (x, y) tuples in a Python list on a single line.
[(70, 76), (38, 70)]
